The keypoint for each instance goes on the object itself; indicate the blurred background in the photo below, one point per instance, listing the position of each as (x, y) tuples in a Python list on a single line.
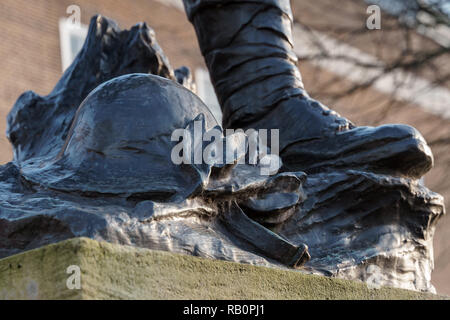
[(391, 66)]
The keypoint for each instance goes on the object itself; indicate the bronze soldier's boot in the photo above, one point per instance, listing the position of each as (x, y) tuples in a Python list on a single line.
[(247, 46)]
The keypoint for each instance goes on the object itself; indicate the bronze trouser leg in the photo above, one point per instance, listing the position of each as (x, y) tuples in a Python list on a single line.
[(247, 46)]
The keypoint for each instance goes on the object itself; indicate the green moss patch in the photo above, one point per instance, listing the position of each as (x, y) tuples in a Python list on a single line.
[(110, 271)]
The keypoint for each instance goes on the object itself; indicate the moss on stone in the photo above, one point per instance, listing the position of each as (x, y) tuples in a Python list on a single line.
[(110, 271)]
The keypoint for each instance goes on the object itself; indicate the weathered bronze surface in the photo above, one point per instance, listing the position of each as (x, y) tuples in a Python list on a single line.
[(92, 159)]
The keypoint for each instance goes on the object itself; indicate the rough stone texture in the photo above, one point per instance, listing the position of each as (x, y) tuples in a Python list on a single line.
[(122, 272)]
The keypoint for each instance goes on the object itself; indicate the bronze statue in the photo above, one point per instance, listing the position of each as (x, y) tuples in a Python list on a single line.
[(93, 158)]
